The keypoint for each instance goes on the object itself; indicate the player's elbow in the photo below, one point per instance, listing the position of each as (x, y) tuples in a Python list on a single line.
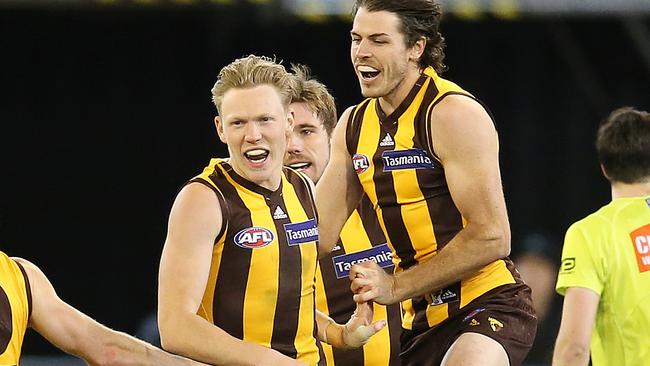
[(502, 244), (496, 241), (171, 338), (569, 352)]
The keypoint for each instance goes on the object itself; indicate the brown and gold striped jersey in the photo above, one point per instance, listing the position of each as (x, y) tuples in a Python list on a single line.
[(15, 309), (361, 239), (261, 283), (405, 181)]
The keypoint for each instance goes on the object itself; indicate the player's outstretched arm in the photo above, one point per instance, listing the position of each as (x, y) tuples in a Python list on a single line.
[(353, 334), (77, 334), (466, 142), (574, 336), (338, 190), (194, 223)]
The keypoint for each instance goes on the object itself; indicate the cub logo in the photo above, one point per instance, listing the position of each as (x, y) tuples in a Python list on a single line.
[(360, 163), (254, 237)]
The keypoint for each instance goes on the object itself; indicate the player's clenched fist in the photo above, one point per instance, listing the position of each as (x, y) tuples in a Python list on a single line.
[(371, 283)]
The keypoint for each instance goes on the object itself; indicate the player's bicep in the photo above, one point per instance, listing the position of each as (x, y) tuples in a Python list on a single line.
[(466, 142), (338, 191), (339, 176), (194, 222)]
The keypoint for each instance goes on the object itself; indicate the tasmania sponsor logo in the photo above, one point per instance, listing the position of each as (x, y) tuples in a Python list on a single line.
[(254, 237), (301, 232), (641, 241), (360, 163), (406, 159), (379, 254)]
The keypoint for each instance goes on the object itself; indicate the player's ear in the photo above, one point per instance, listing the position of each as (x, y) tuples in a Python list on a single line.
[(218, 123), (416, 51)]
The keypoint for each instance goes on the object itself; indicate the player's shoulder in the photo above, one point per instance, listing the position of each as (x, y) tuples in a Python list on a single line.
[(352, 111), (24, 263), (458, 107), (347, 114), (296, 177), (32, 271), (197, 199)]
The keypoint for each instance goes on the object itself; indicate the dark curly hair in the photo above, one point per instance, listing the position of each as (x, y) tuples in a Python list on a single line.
[(420, 18)]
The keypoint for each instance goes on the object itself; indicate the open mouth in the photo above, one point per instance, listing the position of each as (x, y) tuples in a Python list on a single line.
[(256, 156), (368, 73), (299, 166)]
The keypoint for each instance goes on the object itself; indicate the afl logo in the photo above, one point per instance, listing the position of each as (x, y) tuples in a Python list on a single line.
[(254, 237), (360, 163)]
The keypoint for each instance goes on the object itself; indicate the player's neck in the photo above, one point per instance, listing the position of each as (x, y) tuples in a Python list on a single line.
[(270, 181), (624, 190), (395, 97)]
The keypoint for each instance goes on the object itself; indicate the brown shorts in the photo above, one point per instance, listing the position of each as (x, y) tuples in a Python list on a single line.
[(505, 314)]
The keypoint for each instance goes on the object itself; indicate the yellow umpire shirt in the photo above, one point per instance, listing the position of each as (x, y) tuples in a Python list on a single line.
[(609, 253)]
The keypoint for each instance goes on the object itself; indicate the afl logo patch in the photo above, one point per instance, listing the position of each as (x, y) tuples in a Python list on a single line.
[(360, 163), (254, 237)]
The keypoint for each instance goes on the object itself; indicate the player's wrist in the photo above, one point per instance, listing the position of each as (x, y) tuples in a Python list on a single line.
[(336, 335), (396, 291)]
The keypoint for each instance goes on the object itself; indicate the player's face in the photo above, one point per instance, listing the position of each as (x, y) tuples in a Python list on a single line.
[(309, 144), (254, 125), (378, 51)]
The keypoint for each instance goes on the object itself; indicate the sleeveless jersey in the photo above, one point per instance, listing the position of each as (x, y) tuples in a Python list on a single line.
[(609, 252), (15, 309), (405, 181), (361, 239), (261, 283)]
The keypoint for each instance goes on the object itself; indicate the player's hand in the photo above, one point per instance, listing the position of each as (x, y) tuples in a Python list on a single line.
[(371, 283), (358, 330)]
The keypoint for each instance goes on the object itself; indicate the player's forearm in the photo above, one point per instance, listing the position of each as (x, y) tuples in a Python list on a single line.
[(329, 230), (194, 337), (120, 349), (332, 216), (471, 249)]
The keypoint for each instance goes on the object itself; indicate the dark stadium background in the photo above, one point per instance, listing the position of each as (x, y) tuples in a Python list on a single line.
[(105, 111)]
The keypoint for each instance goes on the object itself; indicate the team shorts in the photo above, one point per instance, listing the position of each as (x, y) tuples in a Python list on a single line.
[(505, 314)]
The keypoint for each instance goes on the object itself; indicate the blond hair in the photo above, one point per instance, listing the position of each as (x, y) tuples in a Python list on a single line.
[(251, 71), (313, 93)]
